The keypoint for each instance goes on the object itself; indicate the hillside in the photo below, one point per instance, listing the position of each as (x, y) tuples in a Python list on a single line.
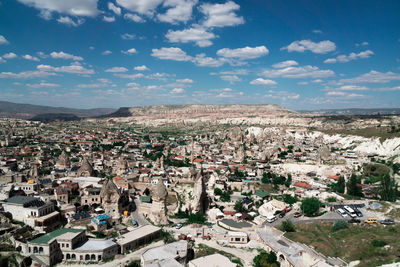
[(196, 111), (27, 111), (354, 111)]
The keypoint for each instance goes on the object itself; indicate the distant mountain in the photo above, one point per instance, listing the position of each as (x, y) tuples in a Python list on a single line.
[(196, 111), (28, 111), (354, 111), (50, 117)]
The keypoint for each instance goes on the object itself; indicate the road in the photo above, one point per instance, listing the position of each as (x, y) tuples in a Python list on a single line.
[(330, 216), (137, 216)]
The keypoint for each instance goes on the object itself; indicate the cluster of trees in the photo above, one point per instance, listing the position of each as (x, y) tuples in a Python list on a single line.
[(272, 178), (225, 195), (265, 259)]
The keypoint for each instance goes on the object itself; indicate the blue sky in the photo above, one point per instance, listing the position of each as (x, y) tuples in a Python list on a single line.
[(301, 55)]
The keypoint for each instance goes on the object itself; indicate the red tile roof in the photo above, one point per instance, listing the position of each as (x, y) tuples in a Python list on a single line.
[(302, 185)]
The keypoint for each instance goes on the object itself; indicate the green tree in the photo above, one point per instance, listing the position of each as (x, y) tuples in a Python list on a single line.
[(265, 179), (264, 259), (289, 199), (287, 226), (388, 189), (352, 188), (239, 206), (310, 206), (217, 191)]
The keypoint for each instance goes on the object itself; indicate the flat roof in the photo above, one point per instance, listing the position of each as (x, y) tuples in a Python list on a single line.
[(235, 224), (214, 260), (168, 251), (95, 245), (137, 234), (45, 239)]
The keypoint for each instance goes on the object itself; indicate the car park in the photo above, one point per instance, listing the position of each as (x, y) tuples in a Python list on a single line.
[(371, 220), (387, 221)]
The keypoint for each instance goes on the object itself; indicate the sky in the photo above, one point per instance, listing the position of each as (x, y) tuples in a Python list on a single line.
[(112, 53)]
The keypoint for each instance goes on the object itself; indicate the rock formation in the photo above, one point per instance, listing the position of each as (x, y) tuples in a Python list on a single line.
[(63, 161), (199, 202), (158, 210), (113, 200), (86, 169)]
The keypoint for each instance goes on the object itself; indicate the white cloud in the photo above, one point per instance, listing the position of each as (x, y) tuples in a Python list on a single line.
[(114, 8), (221, 15), (2, 60), (322, 47), (10, 55), (177, 91), (299, 72), (87, 8), (302, 83), (29, 57), (3, 40), (285, 64), (129, 51), (146, 7), (231, 72), (171, 53), (129, 76), (117, 69), (26, 74), (261, 81), (230, 78), (197, 34), (296, 96), (42, 55), (43, 85), (185, 80), (351, 56), (74, 68), (317, 31), (134, 17), (70, 22), (373, 77), (352, 88), (317, 81), (179, 11), (243, 53), (141, 68), (109, 19), (344, 95), (362, 44), (127, 36), (106, 53), (62, 55), (203, 61)]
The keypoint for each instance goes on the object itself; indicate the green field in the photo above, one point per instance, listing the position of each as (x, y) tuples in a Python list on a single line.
[(354, 243)]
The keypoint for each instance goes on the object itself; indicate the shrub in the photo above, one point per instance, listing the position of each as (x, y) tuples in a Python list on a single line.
[(287, 226), (340, 225), (378, 243), (310, 206)]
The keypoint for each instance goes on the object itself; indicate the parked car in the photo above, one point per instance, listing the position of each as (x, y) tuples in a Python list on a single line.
[(271, 219), (178, 226), (358, 212), (371, 220), (354, 220), (282, 214), (297, 214), (387, 221)]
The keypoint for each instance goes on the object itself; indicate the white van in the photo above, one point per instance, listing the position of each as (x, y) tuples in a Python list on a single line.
[(350, 211), (342, 212), (271, 219)]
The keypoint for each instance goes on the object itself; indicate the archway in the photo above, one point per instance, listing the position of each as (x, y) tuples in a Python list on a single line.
[(93, 257), (87, 257), (68, 256)]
